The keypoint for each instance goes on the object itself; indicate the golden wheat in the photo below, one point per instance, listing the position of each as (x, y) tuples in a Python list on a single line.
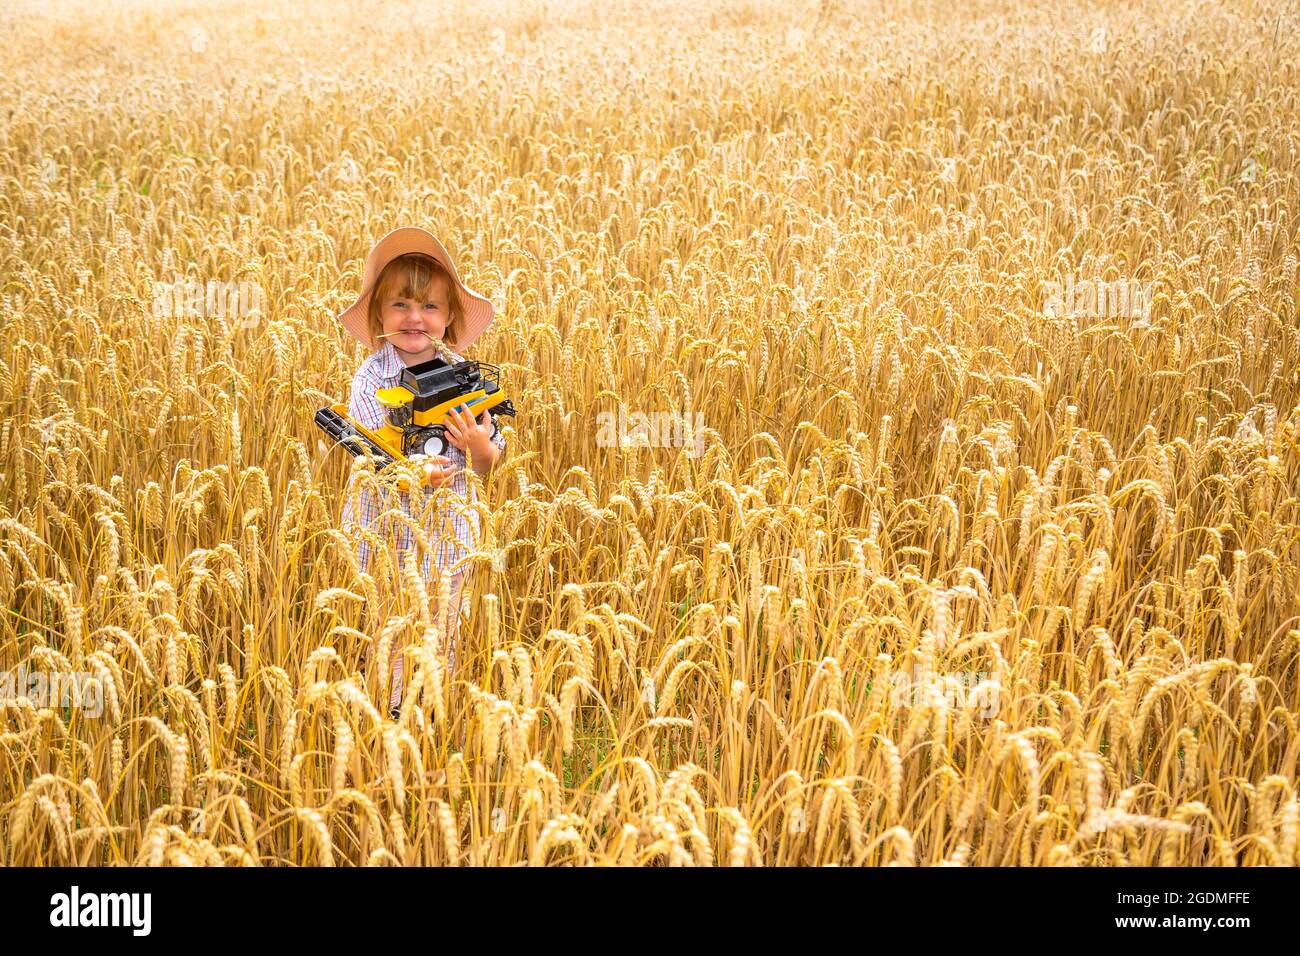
[(954, 578)]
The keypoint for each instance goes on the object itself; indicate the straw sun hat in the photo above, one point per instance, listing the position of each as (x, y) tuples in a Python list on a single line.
[(399, 242)]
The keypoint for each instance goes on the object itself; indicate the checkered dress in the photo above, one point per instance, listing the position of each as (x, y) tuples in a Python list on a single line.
[(381, 370)]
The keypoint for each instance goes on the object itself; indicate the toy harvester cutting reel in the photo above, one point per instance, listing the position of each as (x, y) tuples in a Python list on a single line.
[(417, 410)]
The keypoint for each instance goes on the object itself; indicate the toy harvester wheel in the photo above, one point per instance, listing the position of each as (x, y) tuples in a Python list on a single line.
[(435, 445), (428, 441)]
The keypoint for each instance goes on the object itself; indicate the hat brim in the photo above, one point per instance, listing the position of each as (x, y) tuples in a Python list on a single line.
[(479, 311)]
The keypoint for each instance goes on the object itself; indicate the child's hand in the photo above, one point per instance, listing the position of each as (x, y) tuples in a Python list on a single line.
[(438, 471), (464, 431)]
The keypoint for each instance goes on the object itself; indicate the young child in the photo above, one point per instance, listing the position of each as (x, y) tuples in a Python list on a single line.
[(412, 307)]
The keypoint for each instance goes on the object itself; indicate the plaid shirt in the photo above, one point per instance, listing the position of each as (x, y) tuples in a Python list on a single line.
[(381, 370)]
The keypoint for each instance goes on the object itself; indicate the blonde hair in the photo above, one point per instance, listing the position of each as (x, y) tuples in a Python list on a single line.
[(410, 277)]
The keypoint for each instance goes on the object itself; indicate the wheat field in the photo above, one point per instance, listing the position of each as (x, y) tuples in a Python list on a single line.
[(988, 550)]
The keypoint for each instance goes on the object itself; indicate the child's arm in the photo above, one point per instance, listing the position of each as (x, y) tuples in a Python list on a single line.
[(480, 436), (363, 406), (361, 508)]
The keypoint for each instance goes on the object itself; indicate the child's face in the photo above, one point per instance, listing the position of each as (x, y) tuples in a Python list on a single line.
[(405, 321)]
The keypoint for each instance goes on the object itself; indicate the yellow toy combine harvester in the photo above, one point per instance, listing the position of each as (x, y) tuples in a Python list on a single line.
[(417, 410)]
